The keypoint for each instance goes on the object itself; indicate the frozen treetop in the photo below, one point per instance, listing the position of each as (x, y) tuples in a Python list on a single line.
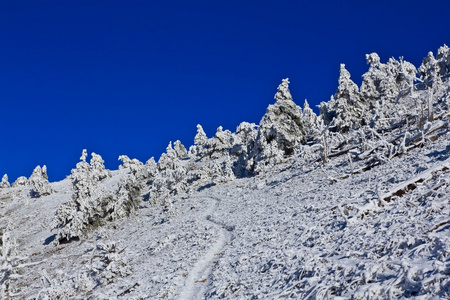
[(346, 86), (200, 137), (373, 59), (84, 154), (283, 92)]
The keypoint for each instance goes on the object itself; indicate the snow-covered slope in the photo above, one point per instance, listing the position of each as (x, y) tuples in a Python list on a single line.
[(359, 212)]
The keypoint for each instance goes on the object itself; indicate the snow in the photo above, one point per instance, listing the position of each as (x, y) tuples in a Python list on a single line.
[(372, 222)]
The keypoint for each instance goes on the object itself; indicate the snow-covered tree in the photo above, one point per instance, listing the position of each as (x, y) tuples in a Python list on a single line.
[(220, 144), (168, 159), (200, 138), (5, 182), (431, 76), (93, 204), (407, 75), (20, 181), (39, 182), (152, 167), (443, 58), (98, 170), (350, 107), (222, 171), (136, 167), (381, 88), (170, 178), (280, 130), (180, 150), (311, 122)]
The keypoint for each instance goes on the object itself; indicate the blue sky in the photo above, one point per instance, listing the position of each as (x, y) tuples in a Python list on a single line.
[(127, 77)]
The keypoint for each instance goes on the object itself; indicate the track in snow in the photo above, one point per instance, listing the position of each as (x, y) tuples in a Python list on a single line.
[(198, 277)]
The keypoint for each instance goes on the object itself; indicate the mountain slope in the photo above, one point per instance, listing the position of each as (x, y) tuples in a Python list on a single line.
[(353, 212)]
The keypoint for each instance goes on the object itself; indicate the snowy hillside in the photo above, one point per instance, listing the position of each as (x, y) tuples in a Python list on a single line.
[(353, 203)]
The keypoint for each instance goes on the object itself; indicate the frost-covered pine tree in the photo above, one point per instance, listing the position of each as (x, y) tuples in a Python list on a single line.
[(98, 171), (222, 171), (39, 182), (92, 203), (430, 74), (20, 181), (200, 142), (136, 167), (126, 199), (152, 167), (311, 122), (381, 88), (443, 58), (280, 130), (350, 107), (200, 138), (168, 159), (180, 150), (372, 78), (5, 182), (407, 75), (171, 176), (220, 144)]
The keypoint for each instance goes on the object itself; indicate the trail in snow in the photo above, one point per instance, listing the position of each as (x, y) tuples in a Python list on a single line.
[(198, 277)]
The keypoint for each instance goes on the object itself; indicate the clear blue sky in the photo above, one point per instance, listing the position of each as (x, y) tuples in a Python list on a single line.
[(127, 77)]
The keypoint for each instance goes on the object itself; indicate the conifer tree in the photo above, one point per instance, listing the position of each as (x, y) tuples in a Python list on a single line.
[(4, 183), (280, 130), (39, 182), (349, 105)]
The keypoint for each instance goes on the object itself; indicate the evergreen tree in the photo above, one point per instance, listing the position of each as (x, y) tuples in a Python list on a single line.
[(311, 122), (39, 182), (349, 105), (5, 182), (280, 130)]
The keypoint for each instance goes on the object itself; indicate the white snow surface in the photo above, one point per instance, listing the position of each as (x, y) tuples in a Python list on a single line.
[(295, 232)]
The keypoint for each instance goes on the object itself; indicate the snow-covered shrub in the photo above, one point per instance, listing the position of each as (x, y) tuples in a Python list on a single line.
[(108, 264), (39, 182), (20, 181), (5, 182), (92, 204), (280, 130)]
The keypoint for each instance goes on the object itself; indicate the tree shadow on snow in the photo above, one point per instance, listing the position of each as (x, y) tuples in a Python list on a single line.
[(49, 239)]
